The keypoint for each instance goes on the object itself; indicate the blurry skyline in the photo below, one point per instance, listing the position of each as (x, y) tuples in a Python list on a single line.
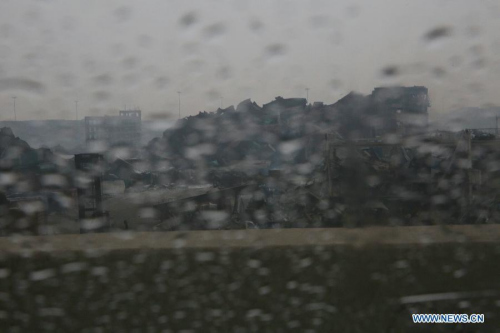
[(108, 55)]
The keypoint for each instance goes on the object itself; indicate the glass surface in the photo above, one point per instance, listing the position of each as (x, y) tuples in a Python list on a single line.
[(248, 166)]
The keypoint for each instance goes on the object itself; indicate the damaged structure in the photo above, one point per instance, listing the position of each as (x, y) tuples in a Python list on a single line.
[(91, 214), (404, 108), (362, 160), (124, 129)]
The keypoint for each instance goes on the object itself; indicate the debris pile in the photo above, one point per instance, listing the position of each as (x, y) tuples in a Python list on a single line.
[(364, 160)]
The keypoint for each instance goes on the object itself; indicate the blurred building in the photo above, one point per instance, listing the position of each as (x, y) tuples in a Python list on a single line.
[(124, 129), (401, 109)]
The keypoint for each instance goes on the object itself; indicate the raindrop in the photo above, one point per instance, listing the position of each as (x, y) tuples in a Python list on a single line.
[(439, 72), (215, 219), (224, 73), (213, 95), (390, 71), (264, 290), (51, 312), (101, 96), (373, 181), (473, 31), (144, 41), (117, 49), (253, 263), (256, 25), (97, 146), (148, 213), (336, 38), (161, 82), (214, 30), (439, 199), (191, 48), (7, 179), (66, 79), (92, 224), (205, 256), (253, 313), (130, 62), (459, 273), (335, 84), (32, 207), (89, 65), (479, 63), (31, 58), (188, 19), (6, 30), (123, 13), (438, 33), (103, 79), (290, 147), (464, 304), (195, 65), (42, 275), (353, 11), (305, 262), (32, 15), (455, 61), (401, 264), (166, 265), (476, 50), (275, 50), (54, 180), (100, 270), (68, 23), (73, 267), (318, 21), (16, 83), (4, 272)]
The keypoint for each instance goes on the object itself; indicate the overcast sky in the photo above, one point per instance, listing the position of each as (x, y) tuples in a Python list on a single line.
[(108, 54)]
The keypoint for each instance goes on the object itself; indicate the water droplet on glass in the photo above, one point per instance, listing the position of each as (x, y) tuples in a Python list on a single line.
[(275, 50), (123, 13), (438, 33), (390, 71), (214, 30), (188, 19)]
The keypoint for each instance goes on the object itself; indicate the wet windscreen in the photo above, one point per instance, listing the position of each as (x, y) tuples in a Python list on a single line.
[(249, 166)]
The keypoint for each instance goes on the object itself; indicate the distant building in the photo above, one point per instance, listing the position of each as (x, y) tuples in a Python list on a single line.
[(284, 116), (403, 109), (387, 110), (123, 129)]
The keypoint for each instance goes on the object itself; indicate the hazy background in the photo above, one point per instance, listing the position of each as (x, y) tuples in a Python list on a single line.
[(108, 54)]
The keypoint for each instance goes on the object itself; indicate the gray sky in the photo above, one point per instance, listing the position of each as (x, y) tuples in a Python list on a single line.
[(108, 54)]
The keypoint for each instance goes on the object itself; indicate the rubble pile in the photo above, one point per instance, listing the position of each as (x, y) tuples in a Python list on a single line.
[(243, 132), (420, 181), (11, 148), (34, 183), (364, 160)]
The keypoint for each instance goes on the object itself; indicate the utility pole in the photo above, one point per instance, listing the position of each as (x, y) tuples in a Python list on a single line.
[(496, 126), (307, 94), (468, 138), (76, 110), (467, 185), (179, 104), (14, 99)]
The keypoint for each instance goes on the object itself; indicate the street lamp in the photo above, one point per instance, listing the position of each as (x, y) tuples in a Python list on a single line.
[(179, 104), (14, 99)]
